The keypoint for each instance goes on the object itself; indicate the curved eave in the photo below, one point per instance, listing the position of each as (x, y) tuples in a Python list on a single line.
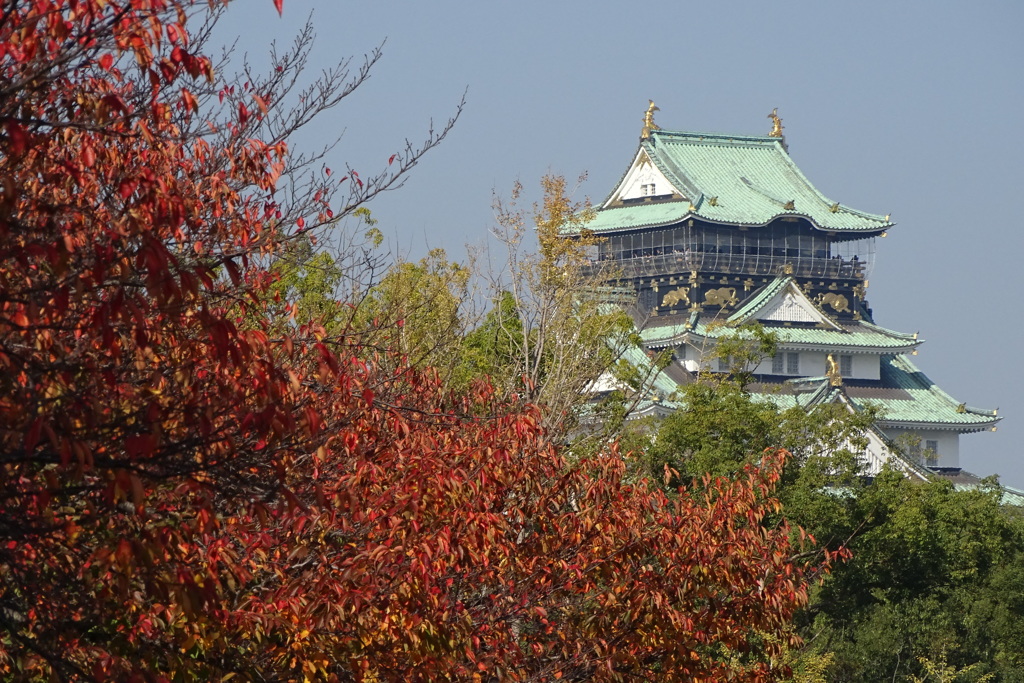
[(670, 340), (856, 350), (630, 225), (653, 408), (687, 332), (654, 224), (875, 231), (664, 342), (961, 427), (969, 421)]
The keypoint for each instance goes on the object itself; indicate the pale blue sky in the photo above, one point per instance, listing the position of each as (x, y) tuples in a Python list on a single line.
[(908, 108)]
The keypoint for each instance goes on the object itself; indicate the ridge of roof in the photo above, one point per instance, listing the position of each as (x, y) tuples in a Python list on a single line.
[(671, 171)]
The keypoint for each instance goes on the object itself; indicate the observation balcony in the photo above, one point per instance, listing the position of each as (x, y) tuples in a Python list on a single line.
[(684, 262)]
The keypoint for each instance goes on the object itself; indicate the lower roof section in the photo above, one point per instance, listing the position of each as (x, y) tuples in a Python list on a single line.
[(904, 396), (963, 480), (784, 309), (858, 337)]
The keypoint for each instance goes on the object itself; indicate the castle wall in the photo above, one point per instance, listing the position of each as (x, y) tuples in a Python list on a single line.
[(943, 443)]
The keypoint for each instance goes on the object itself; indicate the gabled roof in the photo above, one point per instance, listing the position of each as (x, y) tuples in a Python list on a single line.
[(729, 179), (781, 300)]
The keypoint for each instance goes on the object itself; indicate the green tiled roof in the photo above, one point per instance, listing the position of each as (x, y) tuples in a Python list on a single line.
[(919, 401), (904, 395), (658, 381), (635, 216), (862, 335), (751, 179), (1012, 496), (1007, 494)]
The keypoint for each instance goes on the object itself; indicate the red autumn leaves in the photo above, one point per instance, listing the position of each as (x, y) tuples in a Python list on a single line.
[(187, 491)]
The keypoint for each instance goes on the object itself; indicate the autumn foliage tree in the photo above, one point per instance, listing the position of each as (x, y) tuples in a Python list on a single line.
[(553, 329), (191, 490)]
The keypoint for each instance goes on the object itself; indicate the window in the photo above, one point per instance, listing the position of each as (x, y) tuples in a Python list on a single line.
[(846, 365), (793, 363), (786, 363), (724, 364), (931, 453)]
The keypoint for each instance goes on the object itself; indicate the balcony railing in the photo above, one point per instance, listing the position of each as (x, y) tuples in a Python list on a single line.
[(749, 264)]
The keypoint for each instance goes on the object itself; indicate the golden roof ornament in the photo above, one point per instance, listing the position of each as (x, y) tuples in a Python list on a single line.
[(649, 123), (832, 371), (776, 124)]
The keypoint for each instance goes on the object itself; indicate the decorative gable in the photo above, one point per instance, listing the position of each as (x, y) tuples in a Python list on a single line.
[(642, 180), (782, 302), (792, 307)]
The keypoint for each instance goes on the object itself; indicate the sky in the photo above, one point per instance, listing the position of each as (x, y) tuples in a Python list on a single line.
[(907, 108)]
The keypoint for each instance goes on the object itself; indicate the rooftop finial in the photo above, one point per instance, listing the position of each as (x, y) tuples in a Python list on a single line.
[(776, 124), (649, 123), (832, 371)]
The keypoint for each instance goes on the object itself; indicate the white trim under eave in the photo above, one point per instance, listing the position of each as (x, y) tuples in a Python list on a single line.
[(938, 426)]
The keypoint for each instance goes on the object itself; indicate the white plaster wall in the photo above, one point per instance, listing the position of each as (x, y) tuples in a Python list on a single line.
[(949, 443), (866, 366), (812, 364)]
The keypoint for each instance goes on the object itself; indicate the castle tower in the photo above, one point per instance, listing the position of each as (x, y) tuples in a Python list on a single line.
[(716, 231)]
